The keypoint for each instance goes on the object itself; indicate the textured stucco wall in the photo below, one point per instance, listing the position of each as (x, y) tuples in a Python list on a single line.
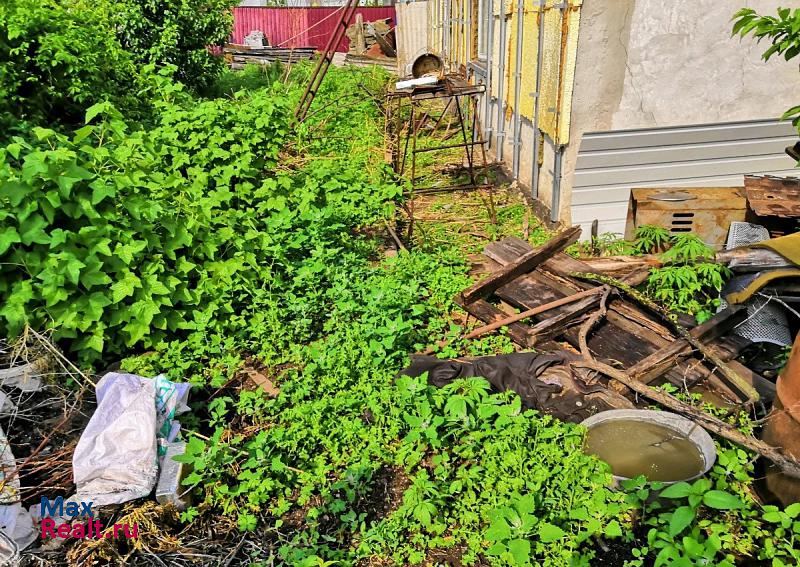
[(650, 63), (685, 68)]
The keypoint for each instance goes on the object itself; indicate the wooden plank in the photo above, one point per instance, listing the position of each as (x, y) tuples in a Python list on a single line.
[(523, 264), (655, 365), (552, 327), (626, 336)]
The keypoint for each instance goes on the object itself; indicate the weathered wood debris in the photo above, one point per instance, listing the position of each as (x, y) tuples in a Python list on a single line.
[(552, 302)]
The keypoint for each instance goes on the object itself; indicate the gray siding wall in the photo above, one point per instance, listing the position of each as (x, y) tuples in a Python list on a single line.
[(610, 164)]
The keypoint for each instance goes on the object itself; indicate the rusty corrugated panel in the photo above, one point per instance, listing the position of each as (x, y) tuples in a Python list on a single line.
[(773, 196), (299, 27)]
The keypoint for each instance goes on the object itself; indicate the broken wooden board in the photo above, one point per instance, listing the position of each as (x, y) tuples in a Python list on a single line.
[(522, 264)]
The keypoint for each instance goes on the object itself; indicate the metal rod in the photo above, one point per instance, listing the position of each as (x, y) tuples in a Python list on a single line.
[(520, 316), (446, 36), (501, 70), (450, 188), (517, 88), (536, 100), (554, 216), (467, 30), (466, 144), (487, 120), (321, 68)]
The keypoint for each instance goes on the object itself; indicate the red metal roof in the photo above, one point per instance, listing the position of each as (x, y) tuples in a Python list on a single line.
[(299, 27)]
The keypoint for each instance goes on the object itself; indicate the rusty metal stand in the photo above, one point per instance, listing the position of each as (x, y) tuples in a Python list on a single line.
[(452, 94), (399, 136)]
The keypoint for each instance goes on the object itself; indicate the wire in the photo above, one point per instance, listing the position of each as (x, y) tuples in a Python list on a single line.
[(305, 31)]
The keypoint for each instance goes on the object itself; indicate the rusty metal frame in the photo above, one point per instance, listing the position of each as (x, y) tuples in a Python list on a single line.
[(407, 135)]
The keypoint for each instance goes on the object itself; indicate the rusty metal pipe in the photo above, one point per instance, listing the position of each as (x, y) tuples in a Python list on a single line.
[(782, 428)]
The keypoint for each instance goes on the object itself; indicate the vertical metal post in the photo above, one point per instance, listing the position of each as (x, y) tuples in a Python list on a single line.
[(467, 31), (517, 87), (487, 118), (536, 100), (446, 29), (501, 70), (556, 184)]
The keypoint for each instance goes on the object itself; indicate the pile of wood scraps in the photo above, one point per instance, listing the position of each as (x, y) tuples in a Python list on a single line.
[(628, 335), (372, 43), (552, 302), (238, 56)]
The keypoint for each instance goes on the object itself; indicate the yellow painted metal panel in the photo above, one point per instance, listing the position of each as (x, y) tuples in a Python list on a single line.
[(512, 55), (568, 74), (550, 76), (530, 46)]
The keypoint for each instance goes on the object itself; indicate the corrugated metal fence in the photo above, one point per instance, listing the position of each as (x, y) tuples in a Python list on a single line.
[(299, 27)]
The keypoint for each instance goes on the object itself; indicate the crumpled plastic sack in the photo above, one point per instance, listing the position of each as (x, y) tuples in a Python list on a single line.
[(116, 459), (16, 523)]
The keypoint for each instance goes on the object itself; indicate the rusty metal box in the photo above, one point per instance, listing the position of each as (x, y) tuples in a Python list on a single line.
[(705, 211)]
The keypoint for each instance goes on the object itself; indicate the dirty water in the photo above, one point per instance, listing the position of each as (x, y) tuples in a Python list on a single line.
[(634, 447)]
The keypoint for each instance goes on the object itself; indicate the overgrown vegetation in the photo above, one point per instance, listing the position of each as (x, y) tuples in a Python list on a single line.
[(179, 34), (196, 230), (59, 57)]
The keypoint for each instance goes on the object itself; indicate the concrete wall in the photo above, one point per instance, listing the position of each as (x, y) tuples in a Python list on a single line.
[(650, 63)]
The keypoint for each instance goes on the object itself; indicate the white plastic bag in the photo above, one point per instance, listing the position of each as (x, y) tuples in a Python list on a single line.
[(116, 459)]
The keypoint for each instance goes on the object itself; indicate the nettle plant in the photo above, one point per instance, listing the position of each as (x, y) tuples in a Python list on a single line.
[(115, 236)]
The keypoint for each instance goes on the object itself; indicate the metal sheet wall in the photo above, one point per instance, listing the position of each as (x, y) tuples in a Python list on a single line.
[(452, 28), (299, 27), (610, 164)]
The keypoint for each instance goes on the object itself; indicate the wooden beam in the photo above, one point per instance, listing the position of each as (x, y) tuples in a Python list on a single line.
[(653, 366), (522, 265)]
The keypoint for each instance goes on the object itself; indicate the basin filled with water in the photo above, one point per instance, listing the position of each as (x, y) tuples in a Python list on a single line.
[(660, 445)]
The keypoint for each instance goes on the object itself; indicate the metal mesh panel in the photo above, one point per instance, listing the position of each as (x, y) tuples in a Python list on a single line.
[(766, 320), (743, 233)]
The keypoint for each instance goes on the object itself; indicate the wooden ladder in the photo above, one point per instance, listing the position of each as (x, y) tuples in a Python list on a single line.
[(325, 60)]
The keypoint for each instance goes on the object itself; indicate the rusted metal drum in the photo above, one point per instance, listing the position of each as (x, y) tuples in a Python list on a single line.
[(426, 63), (782, 428)]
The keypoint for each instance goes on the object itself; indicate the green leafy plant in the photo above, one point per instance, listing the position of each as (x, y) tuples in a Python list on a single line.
[(650, 239), (179, 34), (59, 58), (782, 31), (686, 282)]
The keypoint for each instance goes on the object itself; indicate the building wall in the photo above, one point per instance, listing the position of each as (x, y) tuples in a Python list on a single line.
[(655, 64), (639, 64), (411, 34)]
